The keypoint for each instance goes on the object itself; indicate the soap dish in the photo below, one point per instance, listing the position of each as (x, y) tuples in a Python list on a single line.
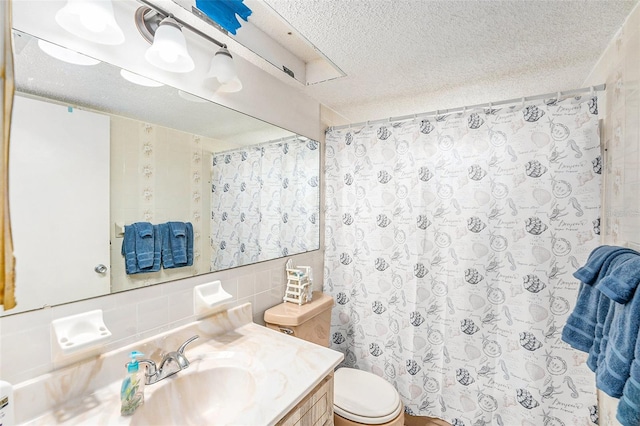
[(209, 298), (81, 331)]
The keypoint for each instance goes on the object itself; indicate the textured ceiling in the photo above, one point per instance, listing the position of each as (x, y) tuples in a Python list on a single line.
[(410, 56)]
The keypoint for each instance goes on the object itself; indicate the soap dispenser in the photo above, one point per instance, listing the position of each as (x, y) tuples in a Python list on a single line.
[(132, 390)]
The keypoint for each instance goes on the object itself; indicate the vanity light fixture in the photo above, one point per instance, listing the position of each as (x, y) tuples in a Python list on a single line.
[(138, 79), (65, 55), (92, 20), (222, 66), (169, 47), (235, 85)]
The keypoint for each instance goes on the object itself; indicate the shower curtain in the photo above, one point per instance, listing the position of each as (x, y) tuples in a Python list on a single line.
[(450, 247), (264, 202)]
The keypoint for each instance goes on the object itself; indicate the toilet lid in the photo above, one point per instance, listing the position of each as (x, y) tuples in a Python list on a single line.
[(364, 397)]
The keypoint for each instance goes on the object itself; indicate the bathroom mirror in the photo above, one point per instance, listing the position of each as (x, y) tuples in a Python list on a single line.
[(93, 152)]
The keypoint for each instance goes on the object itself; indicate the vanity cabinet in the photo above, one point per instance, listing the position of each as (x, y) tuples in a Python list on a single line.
[(316, 409)]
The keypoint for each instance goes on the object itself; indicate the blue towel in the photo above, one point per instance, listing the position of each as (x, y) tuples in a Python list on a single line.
[(144, 244), (130, 248), (167, 256), (612, 375), (189, 244), (606, 326), (580, 329), (589, 272), (178, 238), (157, 250), (621, 283), (629, 406), (177, 247), (605, 333), (605, 307)]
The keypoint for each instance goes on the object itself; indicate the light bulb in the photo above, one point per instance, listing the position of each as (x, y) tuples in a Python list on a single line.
[(222, 66), (168, 55), (91, 20), (169, 48)]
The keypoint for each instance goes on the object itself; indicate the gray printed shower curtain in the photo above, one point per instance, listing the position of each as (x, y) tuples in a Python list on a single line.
[(450, 247), (264, 202)]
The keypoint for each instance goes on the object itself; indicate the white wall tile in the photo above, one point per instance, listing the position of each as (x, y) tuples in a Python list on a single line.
[(24, 352), (620, 222), (136, 314), (180, 306), (152, 314)]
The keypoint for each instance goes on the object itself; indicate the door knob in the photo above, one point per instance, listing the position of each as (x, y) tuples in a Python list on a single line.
[(101, 269)]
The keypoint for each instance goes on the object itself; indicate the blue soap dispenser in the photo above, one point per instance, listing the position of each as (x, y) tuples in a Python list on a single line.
[(132, 390)]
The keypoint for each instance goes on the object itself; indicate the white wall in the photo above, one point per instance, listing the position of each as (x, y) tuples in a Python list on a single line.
[(619, 67)]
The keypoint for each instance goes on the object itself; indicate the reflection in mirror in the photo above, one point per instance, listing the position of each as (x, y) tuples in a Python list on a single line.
[(93, 152)]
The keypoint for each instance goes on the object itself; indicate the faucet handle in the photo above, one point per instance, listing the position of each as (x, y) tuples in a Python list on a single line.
[(184, 345), (152, 370)]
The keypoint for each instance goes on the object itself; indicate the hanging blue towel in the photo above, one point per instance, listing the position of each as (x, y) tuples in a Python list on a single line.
[(604, 342), (589, 272), (605, 307), (189, 244), (612, 375), (129, 250), (629, 407), (167, 256), (580, 329), (144, 244), (141, 243), (157, 250), (178, 239), (598, 351), (621, 283), (177, 244)]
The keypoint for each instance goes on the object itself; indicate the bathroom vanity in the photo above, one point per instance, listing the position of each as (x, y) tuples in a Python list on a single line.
[(239, 373)]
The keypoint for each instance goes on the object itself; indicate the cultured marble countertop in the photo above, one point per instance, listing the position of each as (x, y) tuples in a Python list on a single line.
[(283, 370)]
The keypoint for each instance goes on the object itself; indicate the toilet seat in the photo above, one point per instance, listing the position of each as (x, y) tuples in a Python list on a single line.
[(363, 397)]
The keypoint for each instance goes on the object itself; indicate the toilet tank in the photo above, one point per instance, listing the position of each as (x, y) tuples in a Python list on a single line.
[(310, 322)]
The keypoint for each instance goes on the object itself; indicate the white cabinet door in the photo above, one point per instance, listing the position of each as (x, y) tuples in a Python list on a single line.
[(59, 195)]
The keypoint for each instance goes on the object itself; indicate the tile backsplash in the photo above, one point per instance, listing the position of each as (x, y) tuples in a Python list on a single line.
[(25, 339)]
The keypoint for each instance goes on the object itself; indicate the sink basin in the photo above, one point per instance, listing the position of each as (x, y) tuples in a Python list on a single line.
[(212, 396)]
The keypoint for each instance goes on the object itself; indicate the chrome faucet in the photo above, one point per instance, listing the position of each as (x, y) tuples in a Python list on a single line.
[(171, 363)]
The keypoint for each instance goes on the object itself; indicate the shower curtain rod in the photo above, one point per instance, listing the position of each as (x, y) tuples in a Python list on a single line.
[(258, 145), (472, 107)]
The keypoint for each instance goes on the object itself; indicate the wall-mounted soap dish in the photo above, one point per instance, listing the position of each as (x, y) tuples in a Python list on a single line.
[(81, 331), (209, 298)]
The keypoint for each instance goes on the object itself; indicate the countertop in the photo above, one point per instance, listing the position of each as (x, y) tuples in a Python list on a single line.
[(284, 369)]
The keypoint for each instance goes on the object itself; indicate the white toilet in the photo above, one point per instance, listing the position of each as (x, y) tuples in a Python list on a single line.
[(360, 397)]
